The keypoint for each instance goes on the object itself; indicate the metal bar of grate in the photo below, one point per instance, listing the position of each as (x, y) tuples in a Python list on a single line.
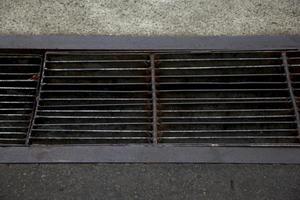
[(154, 99), (36, 100)]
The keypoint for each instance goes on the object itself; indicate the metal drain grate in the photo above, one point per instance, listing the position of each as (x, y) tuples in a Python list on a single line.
[(225, 98), (243, 98), (19, 74), (90, 98)]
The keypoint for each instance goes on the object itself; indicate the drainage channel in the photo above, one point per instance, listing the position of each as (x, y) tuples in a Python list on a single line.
[(222, 98), (98, 99)]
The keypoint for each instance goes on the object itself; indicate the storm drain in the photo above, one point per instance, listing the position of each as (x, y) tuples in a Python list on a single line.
[(205, 98)]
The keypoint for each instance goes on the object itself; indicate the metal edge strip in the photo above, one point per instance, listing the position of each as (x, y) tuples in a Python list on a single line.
[(93, 42), (148, 154)]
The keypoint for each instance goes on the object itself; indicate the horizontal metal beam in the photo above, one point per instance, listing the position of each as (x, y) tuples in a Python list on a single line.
[(148, 154), (59, 42)]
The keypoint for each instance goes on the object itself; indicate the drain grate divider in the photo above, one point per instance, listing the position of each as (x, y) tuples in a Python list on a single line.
[(39, 79), (154, 98)]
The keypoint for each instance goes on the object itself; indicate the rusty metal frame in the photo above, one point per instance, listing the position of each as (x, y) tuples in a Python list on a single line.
[(149, 153)]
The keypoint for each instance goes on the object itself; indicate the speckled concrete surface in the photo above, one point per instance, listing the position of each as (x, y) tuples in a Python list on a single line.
[(140, 181), (150, 17)]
